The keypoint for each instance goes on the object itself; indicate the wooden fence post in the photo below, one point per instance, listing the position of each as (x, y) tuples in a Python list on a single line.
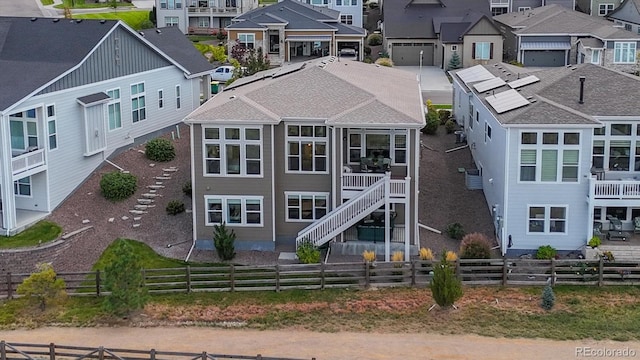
[(553, 271), (601, 271), (505, 271), (232, 277), (3, 350), (413, 273), (9, 292), (52, 351), (98, 283), (277, 278), (458, 270), (101, 353), (204, 355), (144, 277), (259, 357), (367, 274), (152, 354), (321, 275), (188, 279)]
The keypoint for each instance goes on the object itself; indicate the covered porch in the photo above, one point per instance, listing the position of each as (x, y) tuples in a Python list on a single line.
[(306, 47)]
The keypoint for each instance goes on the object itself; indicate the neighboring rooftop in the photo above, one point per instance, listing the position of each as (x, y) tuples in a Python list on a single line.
[(624, 14), (558, 20), (553, 94), (172, 42), (341, 92)]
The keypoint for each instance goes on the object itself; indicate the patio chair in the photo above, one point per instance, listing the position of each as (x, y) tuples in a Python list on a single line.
[(597, 229), (614, 223), (636, 225)]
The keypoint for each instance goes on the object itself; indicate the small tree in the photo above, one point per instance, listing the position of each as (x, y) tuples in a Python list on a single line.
[(124, 281), (43, 287), (548, 298), (153, 16), (454, 62), (224, 240), (446, 288), (475, 246), (255, 61)]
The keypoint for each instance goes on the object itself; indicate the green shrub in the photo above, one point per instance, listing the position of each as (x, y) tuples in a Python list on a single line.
[(450, 126), (187, 189), (384, 62), (117, 186), (546, 252), (455, 231), (124, 281), (446, 288), (475, 246), (444, 116), (367, 51), (147, 24), (368, 60), (175, 207), (595, 241), (308, 253), (43, 287), (374, 40), (160, 149), (431, 127), (548, 297), (224, 241)]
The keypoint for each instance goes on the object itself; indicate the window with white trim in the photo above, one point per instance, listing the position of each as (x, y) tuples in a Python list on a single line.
[(178, 104), (233, 210), (320, 2), (487, 132), (604, 9), (247, 40), (138, 105), (482, 50), (346, 19), (203, 22), (232, 151), (115, 116), (373, 143), (22, 187), (52, 127), (549, 156), (524, 8), (306, 206), (160, 99), (547, 219), (624, 52), (171, 21), (307, 148), (454, 48), (595, 56)]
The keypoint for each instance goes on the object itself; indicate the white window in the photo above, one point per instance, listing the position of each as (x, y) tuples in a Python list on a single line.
[(172, 4), (524, 8), (499, 10), (549, 156), (454, 47), (595, 56), (115, 117), (307, 148), (235, 151), (22, 187), (171, 21), (482, 50), (233, 210), (138, 106), (370, 143), (624, 52), (346, 19), (178, 104), (487, 132), (306, 207), (547, 219), (247, 40), (203, 22), (160, 99), (19, 129), (604, 9), (52, 127), (320, 2)]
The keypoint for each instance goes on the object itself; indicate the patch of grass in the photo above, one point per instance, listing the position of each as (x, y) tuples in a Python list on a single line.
[(150, 259), (199, 38), (46, 2), (442, 106), (40, 233), (82, 4), (132, 18)]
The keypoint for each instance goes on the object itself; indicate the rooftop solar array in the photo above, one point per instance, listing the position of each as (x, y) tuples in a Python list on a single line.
[(506, 101), (475, 73), (524, 81), (489, 84)]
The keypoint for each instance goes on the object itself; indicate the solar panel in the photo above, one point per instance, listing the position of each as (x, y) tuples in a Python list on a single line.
[(474, 73), (524, 81), (489, 84), (506, 101)]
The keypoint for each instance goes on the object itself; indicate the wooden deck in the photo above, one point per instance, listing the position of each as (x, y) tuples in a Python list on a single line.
[(623, 250)]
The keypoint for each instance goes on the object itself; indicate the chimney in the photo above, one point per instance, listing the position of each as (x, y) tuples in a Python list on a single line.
[(581, 101)]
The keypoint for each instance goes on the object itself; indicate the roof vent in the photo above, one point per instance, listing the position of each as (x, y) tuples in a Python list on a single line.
[(158, 31), (56, 20), (232, 97), (103, 21), (33, 19), (533, 101), (78, 21), (141, 33), (529, 97)]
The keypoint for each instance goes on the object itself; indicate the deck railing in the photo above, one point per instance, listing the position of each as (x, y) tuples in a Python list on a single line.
[(27, 161), (363, 181), (615, 189)]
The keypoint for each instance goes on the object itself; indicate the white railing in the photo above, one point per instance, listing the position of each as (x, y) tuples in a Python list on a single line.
[(345, 215), (27, 161), (615, 189), (210, 10), (362, 181), (499, 2)]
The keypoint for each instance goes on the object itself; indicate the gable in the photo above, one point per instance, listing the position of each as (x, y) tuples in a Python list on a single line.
[(120, 54), (483, 27), (627, 11)]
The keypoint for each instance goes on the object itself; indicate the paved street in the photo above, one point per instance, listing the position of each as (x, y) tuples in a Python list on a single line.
[(434, 83), (23, 8)]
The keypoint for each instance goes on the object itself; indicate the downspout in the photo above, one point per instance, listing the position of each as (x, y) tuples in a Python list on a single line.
[(505, 206), (194, 213), (8, 199), (273, 187)]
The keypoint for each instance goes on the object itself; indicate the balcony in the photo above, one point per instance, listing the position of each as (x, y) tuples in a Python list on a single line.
[(625, 189), (205, 11), (354, 183), (499, 2), (27, 161)]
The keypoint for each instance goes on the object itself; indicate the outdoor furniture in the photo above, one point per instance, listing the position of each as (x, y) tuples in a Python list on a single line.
[(618, 235), (636, 225), (597, 229), (371, 228), (377, 164), (614, 223)]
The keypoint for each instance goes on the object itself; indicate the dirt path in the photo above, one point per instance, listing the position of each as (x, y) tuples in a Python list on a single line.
[(305, 345)]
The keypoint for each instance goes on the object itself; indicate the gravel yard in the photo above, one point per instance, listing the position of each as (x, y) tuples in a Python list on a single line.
[(443, 200)]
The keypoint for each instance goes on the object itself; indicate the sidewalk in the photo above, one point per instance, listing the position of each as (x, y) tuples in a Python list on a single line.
[(52, 11)]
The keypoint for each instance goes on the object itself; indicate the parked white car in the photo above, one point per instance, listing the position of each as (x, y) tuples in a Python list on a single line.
[(222, 73)]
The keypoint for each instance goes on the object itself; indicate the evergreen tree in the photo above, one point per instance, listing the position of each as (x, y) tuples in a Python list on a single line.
[(446, 288), (548, 297), (224, 240), (454, 62), (124, 281), (43, 287)]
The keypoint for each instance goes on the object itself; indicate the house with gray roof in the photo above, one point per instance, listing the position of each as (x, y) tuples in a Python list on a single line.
[(555, 36), (556, 151), (294, 31), (627, 15), (280, 160), (601, 8), (71, 99), (198, 17)]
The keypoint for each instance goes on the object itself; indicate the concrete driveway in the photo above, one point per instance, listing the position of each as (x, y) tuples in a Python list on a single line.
[(434, 83), (23, 8)]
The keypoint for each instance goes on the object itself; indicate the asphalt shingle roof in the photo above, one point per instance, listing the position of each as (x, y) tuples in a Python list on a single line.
[(321, 13), (341, 92), (625, 15), (172, 42)]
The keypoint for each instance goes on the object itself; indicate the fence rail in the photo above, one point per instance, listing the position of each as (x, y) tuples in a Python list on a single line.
[(499, 272), (25, 351)]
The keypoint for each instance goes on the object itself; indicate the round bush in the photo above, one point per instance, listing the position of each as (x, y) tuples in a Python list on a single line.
[(546, 252), (384, 62), (374, 40), (175, 207), (450, 126), (455, 231), (116, 186), (160, 149), (187, 189), (475, 246)]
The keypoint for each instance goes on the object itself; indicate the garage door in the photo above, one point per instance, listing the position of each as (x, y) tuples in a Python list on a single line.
[(408, 54), (544, 58)]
